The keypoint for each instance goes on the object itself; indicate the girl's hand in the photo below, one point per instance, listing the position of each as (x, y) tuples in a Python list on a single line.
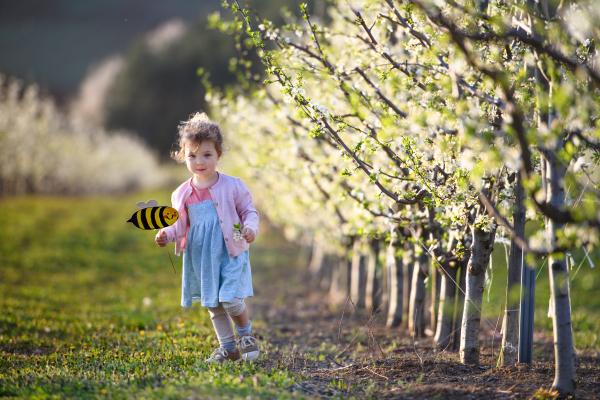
[(248, 235), (161, 239)]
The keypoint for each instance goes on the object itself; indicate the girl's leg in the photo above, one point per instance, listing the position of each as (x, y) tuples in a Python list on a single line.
[(242, 319), (239, 314), (223, 327)]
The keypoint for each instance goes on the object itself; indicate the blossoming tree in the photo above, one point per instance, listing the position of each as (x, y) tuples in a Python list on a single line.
[(430, 115)]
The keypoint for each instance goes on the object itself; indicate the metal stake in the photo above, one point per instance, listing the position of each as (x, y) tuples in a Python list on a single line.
[(526, 317)]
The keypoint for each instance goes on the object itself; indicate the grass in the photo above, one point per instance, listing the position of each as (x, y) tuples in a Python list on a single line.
[(91, 308)]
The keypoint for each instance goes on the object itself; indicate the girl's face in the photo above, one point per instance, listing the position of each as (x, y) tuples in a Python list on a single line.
[(202, 162)]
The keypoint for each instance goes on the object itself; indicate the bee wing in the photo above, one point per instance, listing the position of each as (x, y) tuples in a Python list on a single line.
[(149, 203)]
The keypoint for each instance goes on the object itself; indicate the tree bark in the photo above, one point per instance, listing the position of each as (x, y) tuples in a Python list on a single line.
[(443, 289), (316, 261), (408, 261), (434, 275), (510, 325), (340, 278), (564, 376), (306, 250), (358, 276), (329, 265), (443, 331), (460, 302), (385, 280), (480, 255), (334, 289), (396, 282), (373, 284), (416, 311)]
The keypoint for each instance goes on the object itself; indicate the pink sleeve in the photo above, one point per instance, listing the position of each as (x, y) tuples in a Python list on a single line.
[(245, 208)]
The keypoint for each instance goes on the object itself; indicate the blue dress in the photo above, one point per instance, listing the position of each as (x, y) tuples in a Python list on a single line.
[(210, 276)]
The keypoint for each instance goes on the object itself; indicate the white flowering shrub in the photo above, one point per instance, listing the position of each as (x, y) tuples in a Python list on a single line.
[(44, 151)]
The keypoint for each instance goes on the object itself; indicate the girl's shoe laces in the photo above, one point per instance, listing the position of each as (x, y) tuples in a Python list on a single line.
[(219, 351), (246, 341)]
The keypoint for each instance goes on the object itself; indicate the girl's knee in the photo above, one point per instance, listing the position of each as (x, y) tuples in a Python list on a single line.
[(216, 311), (236, 307)]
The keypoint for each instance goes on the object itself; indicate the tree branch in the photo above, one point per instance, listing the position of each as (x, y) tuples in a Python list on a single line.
[(593, 145), (535, 41), (520, 241), (381, 95)]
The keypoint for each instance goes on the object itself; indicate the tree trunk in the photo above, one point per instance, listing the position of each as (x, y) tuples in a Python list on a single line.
[(340, 278), (434, 275), (329, 264), (384, 290), (316, 262), (340, 282), (510, 325), (306, 250), (416, 311), (443, 331), (372, 293), (564, 376), (408, 261), (460, 301), (358, 277), (480, 255), (334, 289), (396, 282)]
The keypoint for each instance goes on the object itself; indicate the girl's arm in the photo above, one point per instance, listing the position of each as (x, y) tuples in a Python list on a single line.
[(169, 234), (245, 208), (165, 236)]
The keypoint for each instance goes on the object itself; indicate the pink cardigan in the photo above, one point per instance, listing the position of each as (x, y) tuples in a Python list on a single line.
[(233, 202)]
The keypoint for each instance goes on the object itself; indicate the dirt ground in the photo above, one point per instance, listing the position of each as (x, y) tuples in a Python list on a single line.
[(303, 334)]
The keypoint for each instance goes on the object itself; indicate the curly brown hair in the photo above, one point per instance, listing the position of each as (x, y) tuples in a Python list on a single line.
[(193, 132)]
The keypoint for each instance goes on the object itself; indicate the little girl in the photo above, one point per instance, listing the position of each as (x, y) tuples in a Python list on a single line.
[(216, 267)]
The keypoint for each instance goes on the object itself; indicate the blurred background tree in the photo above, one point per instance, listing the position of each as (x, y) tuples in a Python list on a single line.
[(159, 84), (124, 64), (104, 72)]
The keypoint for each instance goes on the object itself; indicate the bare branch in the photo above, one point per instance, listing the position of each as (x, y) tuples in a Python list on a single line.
[(418, 197), (381, 95), (385, 54), (357, 160), (593, 145), (317, 42), (520, 241), (535, 41), (349, 191)]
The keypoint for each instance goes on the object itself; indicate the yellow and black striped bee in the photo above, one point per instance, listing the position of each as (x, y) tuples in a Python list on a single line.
[(151, 216)]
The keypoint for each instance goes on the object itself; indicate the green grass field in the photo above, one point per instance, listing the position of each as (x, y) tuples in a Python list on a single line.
[(91, 308)]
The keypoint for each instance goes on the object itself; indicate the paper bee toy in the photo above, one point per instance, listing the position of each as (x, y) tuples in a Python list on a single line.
[(152, 216)]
